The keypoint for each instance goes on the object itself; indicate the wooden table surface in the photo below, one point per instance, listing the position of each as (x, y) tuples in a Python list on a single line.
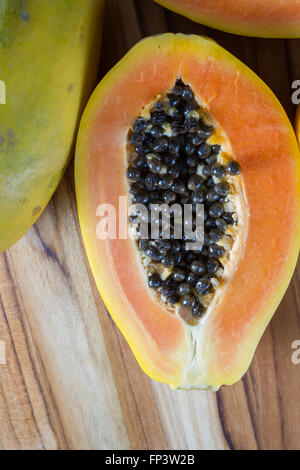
[(70, 380)]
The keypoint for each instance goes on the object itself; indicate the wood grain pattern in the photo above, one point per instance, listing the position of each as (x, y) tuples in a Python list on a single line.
[(70, 381)]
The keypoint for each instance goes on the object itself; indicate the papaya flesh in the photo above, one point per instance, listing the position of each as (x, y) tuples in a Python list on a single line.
[(49, 54), (262, 18), (219, 349)]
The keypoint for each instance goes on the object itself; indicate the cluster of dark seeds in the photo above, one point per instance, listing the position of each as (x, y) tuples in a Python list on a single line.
[(171, 147)]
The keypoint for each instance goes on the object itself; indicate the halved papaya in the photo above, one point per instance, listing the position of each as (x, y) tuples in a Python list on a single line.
[(262, 18), (178, 91)]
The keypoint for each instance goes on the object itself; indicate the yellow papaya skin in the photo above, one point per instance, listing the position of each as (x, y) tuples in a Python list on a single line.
[(49, 53), (261, 18)]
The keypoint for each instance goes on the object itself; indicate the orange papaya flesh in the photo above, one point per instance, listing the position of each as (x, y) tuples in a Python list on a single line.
[(219, 350), (262, 18)]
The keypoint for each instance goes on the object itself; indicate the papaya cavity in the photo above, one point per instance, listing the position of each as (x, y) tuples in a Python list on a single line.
[(180, 161)]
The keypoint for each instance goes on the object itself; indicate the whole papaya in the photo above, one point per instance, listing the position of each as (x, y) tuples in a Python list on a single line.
[(49, 52)]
